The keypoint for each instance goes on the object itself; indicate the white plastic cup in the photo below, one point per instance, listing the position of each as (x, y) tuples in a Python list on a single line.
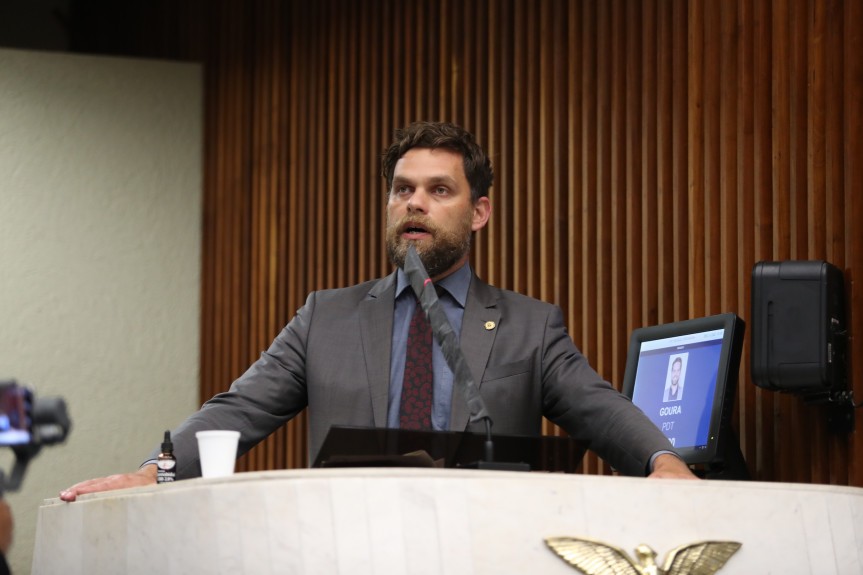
[(218, 452)]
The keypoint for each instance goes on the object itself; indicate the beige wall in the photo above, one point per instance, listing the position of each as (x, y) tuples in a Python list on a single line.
[(100, 242)]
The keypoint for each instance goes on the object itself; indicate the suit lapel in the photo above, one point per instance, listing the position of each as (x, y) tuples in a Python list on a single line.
[(478, 330), (376, 324)]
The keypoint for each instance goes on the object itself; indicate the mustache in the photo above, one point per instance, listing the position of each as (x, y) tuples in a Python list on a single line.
[(413, 221)]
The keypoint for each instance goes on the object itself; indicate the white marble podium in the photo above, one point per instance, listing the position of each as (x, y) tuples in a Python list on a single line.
[(439, 521)]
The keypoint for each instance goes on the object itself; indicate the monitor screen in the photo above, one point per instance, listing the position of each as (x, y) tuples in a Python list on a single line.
[(683, 375)]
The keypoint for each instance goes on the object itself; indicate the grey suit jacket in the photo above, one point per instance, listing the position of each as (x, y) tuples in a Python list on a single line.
[(334, 357)]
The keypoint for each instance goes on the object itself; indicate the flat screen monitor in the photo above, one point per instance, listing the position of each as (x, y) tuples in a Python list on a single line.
[(683, 376)]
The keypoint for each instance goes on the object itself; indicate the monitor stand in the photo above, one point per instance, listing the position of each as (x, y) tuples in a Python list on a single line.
[(729, 463)]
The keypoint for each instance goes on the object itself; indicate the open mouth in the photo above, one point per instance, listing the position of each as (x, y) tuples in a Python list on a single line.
[(413, 229)]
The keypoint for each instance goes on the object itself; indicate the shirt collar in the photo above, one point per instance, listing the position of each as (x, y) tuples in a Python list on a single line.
[(456, 283)]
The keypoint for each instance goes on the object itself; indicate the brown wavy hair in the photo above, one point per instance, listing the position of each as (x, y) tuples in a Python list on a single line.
[(441, 135)]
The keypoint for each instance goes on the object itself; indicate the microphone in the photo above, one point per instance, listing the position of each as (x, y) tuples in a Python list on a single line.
[(447, 339)]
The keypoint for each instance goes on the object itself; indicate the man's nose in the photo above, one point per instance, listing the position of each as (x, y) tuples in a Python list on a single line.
[(418, 201)]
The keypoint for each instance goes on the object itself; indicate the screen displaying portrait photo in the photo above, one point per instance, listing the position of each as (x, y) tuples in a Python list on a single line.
[(683, 376), (675, 383)]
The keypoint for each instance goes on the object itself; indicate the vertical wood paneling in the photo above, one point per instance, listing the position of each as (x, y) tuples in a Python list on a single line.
[(695, 223), (573, 182), (664, 265), (559, 150), (679, 246), (725, 165), (715, 204), (652, 131), (744, 181), (647, 153), (547, 200), (633, 231), (853, 152)]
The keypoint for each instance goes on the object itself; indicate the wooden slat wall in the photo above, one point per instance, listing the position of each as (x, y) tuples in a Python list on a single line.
[(647, 154)]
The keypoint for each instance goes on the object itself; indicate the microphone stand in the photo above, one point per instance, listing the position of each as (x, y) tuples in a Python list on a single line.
[(448, 341)]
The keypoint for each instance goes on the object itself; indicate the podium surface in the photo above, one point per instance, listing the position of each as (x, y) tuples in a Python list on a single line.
[(440, 521)]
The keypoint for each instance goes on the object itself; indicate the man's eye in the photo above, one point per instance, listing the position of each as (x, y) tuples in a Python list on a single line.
[(402, 190), (441, 191)]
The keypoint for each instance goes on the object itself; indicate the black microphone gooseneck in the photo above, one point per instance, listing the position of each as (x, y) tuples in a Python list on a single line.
[(448, 341)]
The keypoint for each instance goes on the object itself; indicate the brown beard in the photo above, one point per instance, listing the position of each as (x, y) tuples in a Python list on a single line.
[(445, 248)]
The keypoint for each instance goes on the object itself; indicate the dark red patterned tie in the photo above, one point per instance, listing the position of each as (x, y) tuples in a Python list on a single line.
[(416, 404)]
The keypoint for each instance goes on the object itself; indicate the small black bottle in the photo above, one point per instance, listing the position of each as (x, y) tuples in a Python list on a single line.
[(166, 462)]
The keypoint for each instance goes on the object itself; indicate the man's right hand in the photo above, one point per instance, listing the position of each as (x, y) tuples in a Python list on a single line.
[(144, 476)]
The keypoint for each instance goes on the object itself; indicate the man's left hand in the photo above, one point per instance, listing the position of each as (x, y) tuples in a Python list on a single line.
[(668, 466)]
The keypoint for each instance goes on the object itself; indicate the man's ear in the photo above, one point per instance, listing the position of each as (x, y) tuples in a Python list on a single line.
[(481, 213)]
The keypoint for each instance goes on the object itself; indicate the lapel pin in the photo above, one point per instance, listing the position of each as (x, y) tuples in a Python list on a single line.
[(489, 325)]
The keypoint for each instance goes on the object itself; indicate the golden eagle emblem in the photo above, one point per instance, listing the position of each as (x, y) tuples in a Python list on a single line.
[(597, 558)]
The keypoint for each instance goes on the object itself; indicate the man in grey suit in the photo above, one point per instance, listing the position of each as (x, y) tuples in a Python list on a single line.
[(343, 354)]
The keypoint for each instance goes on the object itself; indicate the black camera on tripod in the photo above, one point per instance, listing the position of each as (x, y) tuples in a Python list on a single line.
[(26, 424)]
